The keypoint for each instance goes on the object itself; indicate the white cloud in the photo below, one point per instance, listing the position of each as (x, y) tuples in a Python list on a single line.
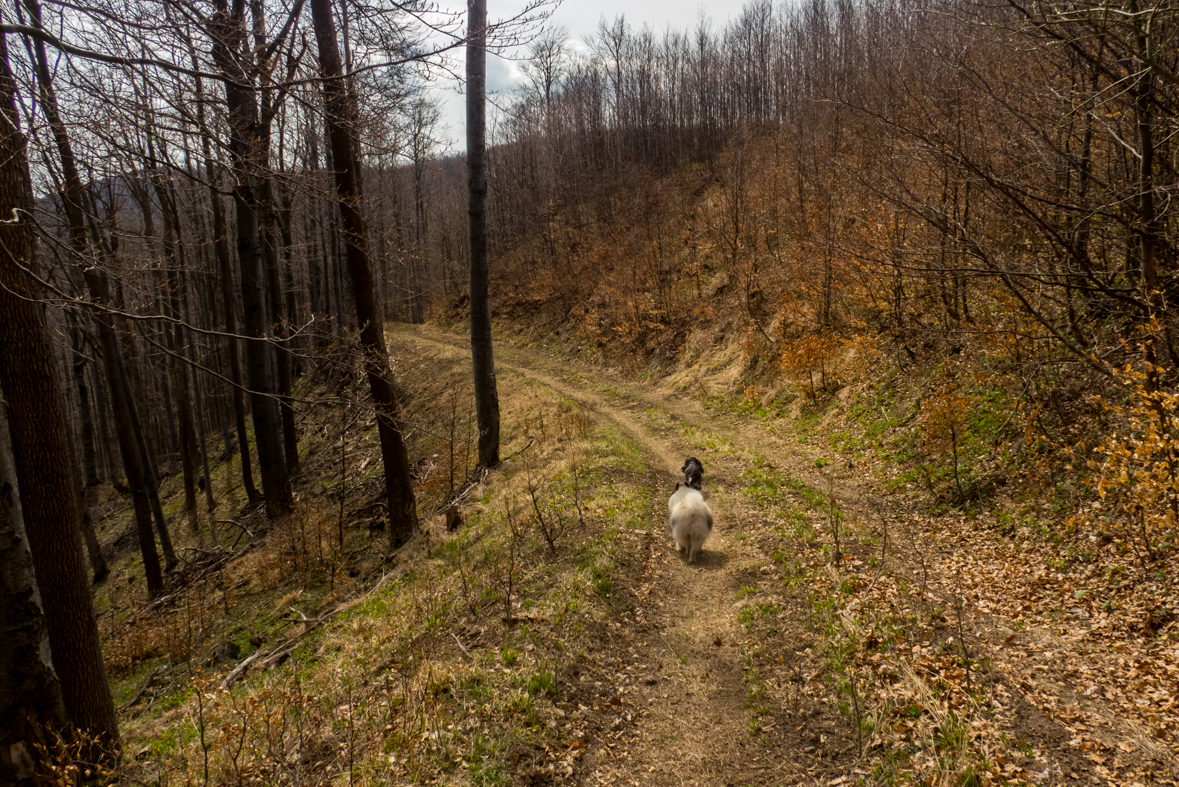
[(581, 19)]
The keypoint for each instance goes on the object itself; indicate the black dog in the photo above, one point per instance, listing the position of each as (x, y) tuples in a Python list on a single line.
[(693, 472)]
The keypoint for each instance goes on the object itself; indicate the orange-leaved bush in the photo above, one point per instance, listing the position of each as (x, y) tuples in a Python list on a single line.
[(1136, 468)]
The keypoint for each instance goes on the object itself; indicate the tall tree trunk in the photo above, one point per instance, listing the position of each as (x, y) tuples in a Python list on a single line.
[(106, 455), (86, 525), (194, 359), (315, 235), (174, 341), (85, 409), (333, 267), (277, 304), (41, 450), (221, 247), (189, 350), (221, 251), (132, 447), (341, 111), (293, 311), (32, 711), (132, 441), (140, 455), (417, 259), (228, 33), (314, 289), (166, 418), (131, 435), (269, 217), (1150, 229), (482, 357), (203, 442), (87, 477)]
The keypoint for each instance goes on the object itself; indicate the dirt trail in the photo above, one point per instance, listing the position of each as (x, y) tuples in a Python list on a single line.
[(681, 689), (684, 686), (681, 686)]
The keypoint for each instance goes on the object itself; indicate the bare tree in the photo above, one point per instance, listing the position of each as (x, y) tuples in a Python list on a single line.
[(41, 449), (423, 121), (232, 51), (225, 273), (132, 444), (482, 354), (341, 114)]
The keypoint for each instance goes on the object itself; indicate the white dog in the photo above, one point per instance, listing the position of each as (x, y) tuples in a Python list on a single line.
[(690, 520)]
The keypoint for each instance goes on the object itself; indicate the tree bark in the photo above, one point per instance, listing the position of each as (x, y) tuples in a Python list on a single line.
[(106, 457), (277, 304), (41, 450), (78, 367), (269, 218), (221, 248), (228, 32), (137, 462), (293, 311), (341, 112), (482, 356), (86, 524), (32, 711)]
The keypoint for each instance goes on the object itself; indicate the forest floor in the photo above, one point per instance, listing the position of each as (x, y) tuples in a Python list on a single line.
[(558, 637), (758, 665)]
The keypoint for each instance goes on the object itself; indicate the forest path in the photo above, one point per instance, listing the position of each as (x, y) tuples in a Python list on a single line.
[(686, 685), (678, 686)]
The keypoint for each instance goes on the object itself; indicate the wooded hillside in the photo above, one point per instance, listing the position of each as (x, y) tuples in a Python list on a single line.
[(886, 267), (977, 191)]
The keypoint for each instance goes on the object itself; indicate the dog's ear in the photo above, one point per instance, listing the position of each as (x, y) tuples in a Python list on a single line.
[(678, 485)]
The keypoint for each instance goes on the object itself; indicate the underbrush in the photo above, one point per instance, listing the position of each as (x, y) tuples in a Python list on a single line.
[(470, 656), (299, 652), (919, 707), (985, 431), (897, 638)]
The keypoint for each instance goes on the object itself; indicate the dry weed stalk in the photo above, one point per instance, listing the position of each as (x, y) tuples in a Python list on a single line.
[(466, 584), (959, 603), (554, 524), (835, 517), (508, 568)]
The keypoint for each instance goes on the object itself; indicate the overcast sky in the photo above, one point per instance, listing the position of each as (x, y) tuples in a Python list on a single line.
[(580, 18)]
